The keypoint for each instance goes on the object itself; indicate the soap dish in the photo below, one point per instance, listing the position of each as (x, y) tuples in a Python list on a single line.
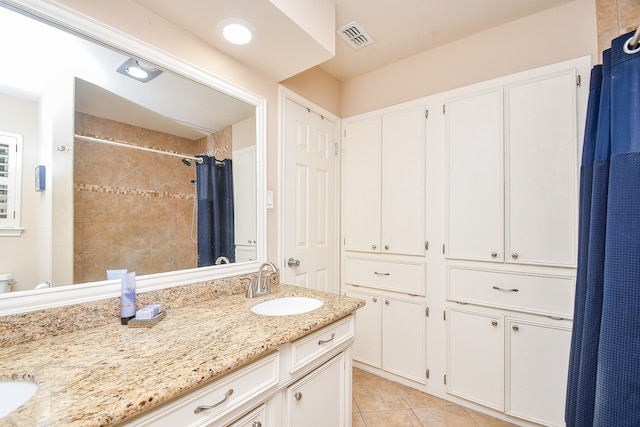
[(134, 323)]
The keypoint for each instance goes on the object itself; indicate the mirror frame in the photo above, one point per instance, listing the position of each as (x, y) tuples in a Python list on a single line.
[(82, 26)]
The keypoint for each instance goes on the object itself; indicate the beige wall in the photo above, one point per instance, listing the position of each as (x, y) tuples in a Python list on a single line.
[(616, 17), (20, 116), (564, 32), (318, 86)]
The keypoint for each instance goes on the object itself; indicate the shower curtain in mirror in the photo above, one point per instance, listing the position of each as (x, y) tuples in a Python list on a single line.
[(215, 211), (604, 368)]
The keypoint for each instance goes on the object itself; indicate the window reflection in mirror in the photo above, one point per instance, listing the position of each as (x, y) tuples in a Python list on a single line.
[(109, 207)]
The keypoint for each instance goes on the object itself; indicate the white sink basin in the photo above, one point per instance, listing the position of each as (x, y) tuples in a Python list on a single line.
[(13, 394), (287, 306)]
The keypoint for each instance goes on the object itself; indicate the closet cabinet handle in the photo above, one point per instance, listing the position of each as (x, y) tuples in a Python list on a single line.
[(256, 424), (494, 254), (494, 323), (375, 299), (514, 255), (297, 395), (386, 247), (515, 328), (373, 246)]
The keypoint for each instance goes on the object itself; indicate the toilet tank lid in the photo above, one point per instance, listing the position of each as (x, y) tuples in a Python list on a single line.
[(6, 276)]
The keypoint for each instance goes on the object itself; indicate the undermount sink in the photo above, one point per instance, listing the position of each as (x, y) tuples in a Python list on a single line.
[(287, 306), (14, 393)]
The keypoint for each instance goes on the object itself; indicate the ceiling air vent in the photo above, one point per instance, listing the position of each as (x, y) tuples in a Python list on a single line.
[(355, 35)]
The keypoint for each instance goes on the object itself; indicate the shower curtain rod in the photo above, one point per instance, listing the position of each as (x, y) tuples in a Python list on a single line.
[(137, 147), (631, 46)]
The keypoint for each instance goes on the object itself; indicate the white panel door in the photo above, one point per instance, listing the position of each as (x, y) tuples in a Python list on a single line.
[(361, 185), (541, 170), (310, 213), (537, 366), (403, 182), (475, 357), (367, 346), (475, 177), (403, 338)]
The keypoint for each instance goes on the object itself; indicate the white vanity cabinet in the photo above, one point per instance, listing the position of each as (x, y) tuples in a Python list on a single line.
[(391, 333), (512, 170), (383, 175), (303, 383), (318, 399)]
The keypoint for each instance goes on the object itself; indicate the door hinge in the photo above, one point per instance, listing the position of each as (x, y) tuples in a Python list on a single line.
[(336, 148), (445, 379), (443, 248), (426, 374), (444, 109), (444, 315), (426, 312), (579, 80), (426, 245), (426, 113), (345, 133)]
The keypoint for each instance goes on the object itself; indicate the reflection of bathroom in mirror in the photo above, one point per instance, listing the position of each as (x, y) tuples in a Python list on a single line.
[(131, 205)]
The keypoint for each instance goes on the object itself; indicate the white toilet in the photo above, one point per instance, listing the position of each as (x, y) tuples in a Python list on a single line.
[(6, 280)]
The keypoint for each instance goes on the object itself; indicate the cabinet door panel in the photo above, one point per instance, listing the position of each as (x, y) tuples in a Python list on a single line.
[(403, 182), (403, 336), (310, 402), (542, 171), (475, 368), (537, 366), (366, 347), (475, 177), (361, 177)]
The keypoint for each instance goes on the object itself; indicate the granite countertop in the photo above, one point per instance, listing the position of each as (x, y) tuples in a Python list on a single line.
[(102, 376)]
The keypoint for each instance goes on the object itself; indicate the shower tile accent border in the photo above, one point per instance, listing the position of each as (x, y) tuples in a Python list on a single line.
[(130, 191), (26, 327)]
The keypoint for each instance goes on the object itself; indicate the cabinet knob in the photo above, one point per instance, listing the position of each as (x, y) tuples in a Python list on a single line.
[(387, 302), (373, 246), (375, 299), (514, 255), (494, 254), (494, 323), (386, 247), (256, 424), (297, 395), (515, 328)]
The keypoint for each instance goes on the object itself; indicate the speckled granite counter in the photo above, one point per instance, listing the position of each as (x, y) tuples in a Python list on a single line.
[(101, 376)]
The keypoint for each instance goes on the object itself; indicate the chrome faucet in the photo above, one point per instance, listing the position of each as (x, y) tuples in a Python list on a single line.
[(260, 283)]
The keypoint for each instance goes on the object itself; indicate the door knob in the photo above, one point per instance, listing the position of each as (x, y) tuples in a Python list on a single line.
[(293, 262)]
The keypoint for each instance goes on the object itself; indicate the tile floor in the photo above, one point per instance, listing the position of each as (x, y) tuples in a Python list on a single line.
[(378, 402)]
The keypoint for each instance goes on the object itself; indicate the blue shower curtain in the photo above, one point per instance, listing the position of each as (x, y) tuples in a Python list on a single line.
[(215, 211), (604, 368)]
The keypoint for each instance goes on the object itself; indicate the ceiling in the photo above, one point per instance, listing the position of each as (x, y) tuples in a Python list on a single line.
[(399, 28)]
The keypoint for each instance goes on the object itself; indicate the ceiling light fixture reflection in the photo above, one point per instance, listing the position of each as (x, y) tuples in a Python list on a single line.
[(138, 70)]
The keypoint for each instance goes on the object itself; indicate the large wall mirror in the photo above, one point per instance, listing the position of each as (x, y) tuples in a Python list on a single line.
[(157, 174)]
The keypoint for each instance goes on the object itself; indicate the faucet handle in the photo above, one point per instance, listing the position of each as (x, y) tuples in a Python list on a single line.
[(251, 287)]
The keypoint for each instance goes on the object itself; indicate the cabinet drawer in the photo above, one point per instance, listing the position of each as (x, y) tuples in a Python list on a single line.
[(540, 294), (307, 349), (223, 395), (408, 277)]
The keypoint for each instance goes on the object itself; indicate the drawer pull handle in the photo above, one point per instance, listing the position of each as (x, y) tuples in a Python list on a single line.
[(297, 395), (381, 274), (326, 341), (206, 408), (504, 289)]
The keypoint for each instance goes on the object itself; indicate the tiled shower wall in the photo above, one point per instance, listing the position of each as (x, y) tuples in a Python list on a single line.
[(616, 17), (133, 209)]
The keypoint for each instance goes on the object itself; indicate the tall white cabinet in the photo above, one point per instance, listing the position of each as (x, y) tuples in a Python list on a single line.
[(383, 237), (460, 211)]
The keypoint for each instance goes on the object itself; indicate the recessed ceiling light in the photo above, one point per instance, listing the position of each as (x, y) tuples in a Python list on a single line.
[(236, 31), (138, 70)]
